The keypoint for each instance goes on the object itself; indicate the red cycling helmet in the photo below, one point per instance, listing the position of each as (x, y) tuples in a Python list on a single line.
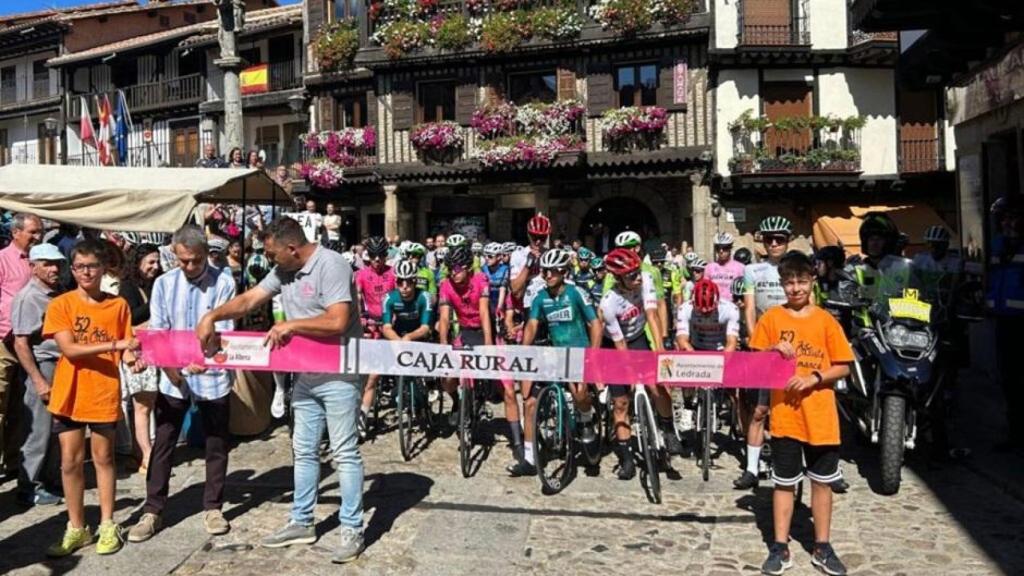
[(539, 225), (705, 296), (622, 261)]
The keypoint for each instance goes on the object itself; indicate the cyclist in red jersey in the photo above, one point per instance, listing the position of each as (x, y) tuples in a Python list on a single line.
[(373, 283)]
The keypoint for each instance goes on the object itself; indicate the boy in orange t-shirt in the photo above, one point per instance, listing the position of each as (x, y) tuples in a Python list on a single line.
[(804, 419), (93, 331)]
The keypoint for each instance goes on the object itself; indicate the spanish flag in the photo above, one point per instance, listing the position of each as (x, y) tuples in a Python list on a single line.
[(256, 79)]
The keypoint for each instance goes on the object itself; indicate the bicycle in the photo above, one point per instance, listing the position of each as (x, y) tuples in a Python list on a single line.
[(559, 436), (414, 410), (706, 424), (649, 443), (472, 403)]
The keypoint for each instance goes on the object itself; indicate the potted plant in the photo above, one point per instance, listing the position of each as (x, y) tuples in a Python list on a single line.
[(336, 45), (503, 32), (451, 32), (556, 23), (437, 142), (634, 128)]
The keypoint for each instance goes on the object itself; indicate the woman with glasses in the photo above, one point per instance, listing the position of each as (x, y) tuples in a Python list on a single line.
[(763, 290)]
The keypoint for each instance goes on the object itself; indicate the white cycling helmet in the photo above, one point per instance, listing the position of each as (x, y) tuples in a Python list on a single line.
[(698, 263), (441, 253), (556, 258), (403, 248), (690, 257), (492, 249), (477, 247), (509, 247), (723, 239), (627, 239), (416, 249), (406, 269), (776, 225), (937, 234), (455, 240)]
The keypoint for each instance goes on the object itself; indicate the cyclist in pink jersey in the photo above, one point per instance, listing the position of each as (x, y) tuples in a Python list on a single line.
[(373, 283), (466, 297), (724, 270)]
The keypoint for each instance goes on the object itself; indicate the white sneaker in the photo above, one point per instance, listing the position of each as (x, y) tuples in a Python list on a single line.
[(277, 405), (686, 420)]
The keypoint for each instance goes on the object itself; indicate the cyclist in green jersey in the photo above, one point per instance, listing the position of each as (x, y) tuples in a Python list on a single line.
[(425, 281), (572, 323)]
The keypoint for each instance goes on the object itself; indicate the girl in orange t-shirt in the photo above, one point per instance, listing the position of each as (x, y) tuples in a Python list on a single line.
[(93, 331)]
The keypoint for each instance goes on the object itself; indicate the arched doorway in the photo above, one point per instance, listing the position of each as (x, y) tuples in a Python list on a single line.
[(607, 218)]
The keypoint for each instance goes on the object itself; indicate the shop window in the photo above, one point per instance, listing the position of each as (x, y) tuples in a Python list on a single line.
[(435, 102), (533, 87), (637, 85)]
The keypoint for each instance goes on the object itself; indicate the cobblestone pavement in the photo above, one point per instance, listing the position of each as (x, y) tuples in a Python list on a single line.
[(424, 518)]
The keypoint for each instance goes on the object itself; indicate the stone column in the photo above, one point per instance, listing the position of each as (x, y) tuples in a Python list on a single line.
[(390, 210), (231, 19), (703, 224)]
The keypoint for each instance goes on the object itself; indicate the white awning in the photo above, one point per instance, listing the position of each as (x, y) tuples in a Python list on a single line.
[(130, 199)]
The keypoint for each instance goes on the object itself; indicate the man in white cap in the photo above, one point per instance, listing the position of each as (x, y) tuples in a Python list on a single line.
[(40, 457)]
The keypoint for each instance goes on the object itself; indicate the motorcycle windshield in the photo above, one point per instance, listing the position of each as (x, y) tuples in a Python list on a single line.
[(895, 277)]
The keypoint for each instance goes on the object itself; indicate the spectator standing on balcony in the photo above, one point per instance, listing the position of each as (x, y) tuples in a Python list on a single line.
[(210, 158)]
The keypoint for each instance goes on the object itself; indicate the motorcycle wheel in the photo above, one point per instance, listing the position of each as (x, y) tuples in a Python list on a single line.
[(894, 419)]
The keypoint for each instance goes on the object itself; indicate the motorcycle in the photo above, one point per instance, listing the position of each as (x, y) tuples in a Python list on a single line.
[(893, 381)]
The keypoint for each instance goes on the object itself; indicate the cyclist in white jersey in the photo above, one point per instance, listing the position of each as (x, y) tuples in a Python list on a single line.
[(763, 290), (707, 322)]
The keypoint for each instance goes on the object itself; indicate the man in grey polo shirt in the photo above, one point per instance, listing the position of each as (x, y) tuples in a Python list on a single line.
[(40, 457), (316, 287)]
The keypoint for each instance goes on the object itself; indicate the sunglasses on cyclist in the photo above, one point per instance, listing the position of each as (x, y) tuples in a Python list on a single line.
[(376, 258), (776, 239), (457, 269), (535, 238), (555, 271), (631, 277), (406, 282)]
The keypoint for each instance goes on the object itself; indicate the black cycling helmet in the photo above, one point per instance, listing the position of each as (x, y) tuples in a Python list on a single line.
[(738, 288), (377, 246), (879, 224), (834, 256), (460, 256), (1010, 204), (743, 256)]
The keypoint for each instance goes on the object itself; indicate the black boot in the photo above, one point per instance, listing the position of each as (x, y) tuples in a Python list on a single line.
[(627, 469)]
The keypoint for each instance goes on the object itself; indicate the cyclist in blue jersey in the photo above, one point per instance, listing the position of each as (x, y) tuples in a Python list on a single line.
[(582, 273), (406, 309), (497, 275), (572, 323), (596, 289)]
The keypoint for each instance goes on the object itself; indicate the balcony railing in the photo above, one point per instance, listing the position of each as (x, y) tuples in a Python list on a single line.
[(8, 94), (861, 37), (285, 75), (796, 32), (795, 145), (175, 91), (41, 88), (921, 155)]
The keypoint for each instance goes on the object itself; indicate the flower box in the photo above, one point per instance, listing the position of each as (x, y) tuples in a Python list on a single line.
[(634, 128), (438, 142)]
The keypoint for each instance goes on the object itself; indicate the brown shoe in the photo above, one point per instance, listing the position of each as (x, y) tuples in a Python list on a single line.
[(145, 529), (215, 523)]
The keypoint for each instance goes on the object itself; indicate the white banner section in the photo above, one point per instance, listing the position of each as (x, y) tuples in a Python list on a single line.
[(481, 362)]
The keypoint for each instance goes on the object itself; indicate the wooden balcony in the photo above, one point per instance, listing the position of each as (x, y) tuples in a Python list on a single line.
[(773, 23), (285, 75), (810, 145), (918, 156), (181, 91)]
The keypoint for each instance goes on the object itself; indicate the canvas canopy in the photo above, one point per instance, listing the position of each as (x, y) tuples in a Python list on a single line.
[(130, 199), (840, 225)]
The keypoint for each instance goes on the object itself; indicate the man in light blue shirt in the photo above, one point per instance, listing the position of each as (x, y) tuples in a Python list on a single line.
[(180, 298)]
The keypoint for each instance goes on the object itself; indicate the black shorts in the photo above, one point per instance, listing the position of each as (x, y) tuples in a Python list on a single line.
[(619, 390), (471, 336), (64, 424), (793, 459)]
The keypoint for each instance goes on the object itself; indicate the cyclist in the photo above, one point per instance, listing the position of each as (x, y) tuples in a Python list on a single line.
[(497, 276), (597, 285), (582, 273), (630, 315), (724, 270), (939, 270), (707, 322), (507, 249), (571, 323), (743, 256), (631, 241), (425, 281), (832, 282), (696, 267), (879, 237), (524, 263), (738, 289), (671, 275), (406, 309), (464, 311), (373, 283), (762, 290)]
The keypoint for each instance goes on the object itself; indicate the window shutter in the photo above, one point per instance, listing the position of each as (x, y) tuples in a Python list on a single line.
[(326, 105), (566, 81), (403, 105), (371, 108), (673, 83), (600, 89), (494, 88), (466, 100)]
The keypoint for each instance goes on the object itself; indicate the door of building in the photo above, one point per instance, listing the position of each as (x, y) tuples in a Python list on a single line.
[(184, 146), (787, 100)]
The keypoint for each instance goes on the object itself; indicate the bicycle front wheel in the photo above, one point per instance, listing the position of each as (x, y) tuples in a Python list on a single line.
[(554, 440), (466, 417), (648, 443), (707, 424), (406, 408)]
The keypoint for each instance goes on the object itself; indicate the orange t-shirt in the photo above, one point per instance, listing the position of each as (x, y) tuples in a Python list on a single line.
[(818, 339), (88, 389)]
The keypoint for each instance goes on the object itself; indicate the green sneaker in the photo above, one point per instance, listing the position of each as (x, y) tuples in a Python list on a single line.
[(74, 538), (110, 540)]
